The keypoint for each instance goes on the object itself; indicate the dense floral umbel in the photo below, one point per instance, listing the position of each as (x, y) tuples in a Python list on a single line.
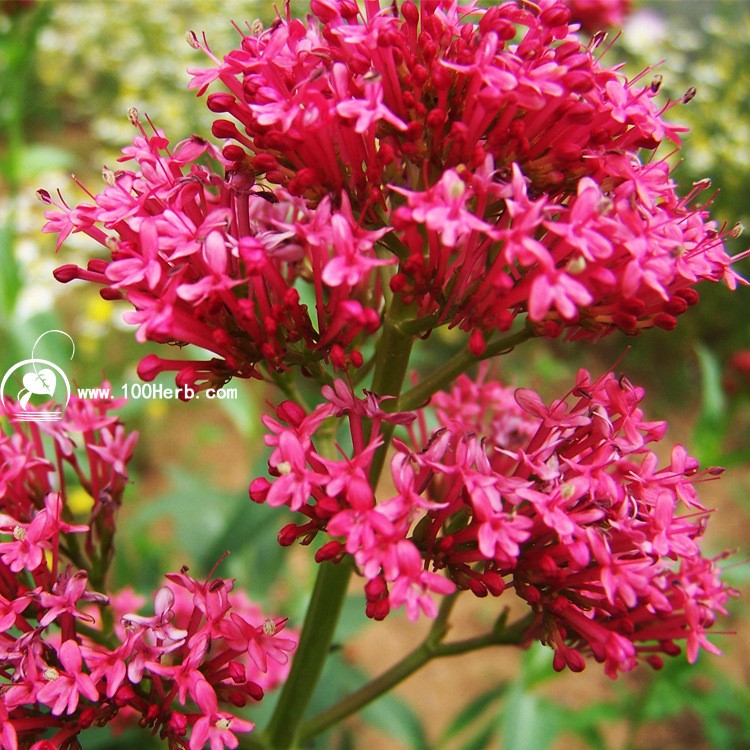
[(479, 164), (500, 152), (71, 656), (564, 504), (214, 261)]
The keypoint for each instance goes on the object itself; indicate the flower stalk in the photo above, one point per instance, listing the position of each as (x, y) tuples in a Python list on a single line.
[(392, 361), (312, 652), (430, 649), (443, 376)]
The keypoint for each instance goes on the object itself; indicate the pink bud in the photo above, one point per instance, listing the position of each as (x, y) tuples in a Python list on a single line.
[(258, 490), (291, 413)]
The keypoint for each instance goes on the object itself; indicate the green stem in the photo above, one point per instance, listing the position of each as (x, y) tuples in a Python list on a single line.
[(445, 375), (394, 349), (430, 648), (393, 354), (311, 654)]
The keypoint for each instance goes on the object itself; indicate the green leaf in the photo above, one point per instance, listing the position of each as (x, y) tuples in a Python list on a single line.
[(249, 532), (389, 713), (243, 409), (586, 722), (104, 739), (10, 275), (528, 722), (482, 739), (38, 159), (473, 711), (346, 741), (392, 715), (712, 424), (208, 522), (352, 618), (536, 666)]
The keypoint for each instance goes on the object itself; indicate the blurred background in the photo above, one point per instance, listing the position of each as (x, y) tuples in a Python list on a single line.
[(69, 71)]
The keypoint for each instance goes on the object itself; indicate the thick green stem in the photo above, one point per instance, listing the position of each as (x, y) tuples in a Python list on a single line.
[(431, 648), (445, 375), (311, 654), (394, 350), (392, 362)]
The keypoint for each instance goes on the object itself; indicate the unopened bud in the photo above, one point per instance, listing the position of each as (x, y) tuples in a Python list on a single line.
[(66, 273), (665, 321), (288, 535)]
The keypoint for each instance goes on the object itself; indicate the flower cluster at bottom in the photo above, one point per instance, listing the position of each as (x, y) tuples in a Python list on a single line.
[(564, 503), (72, 657)]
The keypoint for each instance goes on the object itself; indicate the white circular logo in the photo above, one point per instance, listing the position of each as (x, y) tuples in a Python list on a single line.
[(40, 378)]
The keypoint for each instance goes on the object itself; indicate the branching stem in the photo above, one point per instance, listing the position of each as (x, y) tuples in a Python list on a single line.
[(431, 648)]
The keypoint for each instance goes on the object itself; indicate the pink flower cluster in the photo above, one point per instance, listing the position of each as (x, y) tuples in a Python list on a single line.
[(214, 261), (72, 657), (599, 15), (565, 504), (479, 164)]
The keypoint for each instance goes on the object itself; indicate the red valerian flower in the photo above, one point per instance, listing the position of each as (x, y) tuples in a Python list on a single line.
[(479, 164), (62, 690), (73, 657), (564, 504), (499, 104), (215, 262), (599, 15)]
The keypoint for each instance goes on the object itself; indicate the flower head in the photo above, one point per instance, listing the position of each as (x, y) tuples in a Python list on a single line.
[(479, 164), (73, 656), (563, 504)]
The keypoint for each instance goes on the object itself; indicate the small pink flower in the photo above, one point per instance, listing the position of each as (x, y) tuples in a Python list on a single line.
[(369, 110), (443, 209), (116, 448), (214, 727), (160, 624), (64, 689), (65, 595)]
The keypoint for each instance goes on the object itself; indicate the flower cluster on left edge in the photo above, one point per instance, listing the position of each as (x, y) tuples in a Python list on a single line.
[(74, 654)]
